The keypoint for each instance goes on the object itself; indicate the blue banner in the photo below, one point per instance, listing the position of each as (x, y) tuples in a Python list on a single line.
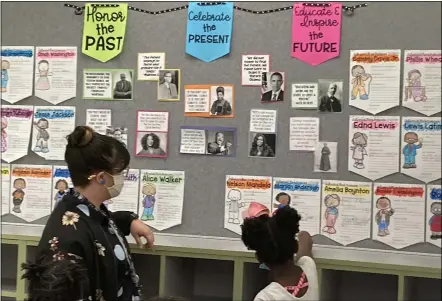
[(209, 30)]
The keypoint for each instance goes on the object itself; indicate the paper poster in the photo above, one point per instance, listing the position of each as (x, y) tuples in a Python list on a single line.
[(422, 81), (262, 133), (316, 32), (169, 82), (117, 132), (55, 73), (99, 119), (434, 215), (304, 133), (398, 214), (150, 64), (209, 101), (161, 198), (16, 131), (31, 189), (263, 121), (373, 146), (17, 72), (128, 198), (326, 157), (346, 211), (108, 84), (5, 188), (302, 194), (252, 68), (330, 96), (51, 127), (305, 96), (240, 192), (104, 30), (374, 79), (272, 86), (421, 148), (61, 182), (209, 30), (152, 134), (215, 141)]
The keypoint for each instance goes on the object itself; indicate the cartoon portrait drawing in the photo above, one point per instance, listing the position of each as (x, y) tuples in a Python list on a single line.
[(410, 149), (435, 221), (332, 202), (282, 199), (415, 90), (234, 203), (43, 73), (5, 76), (4, 135), (18, 195), (62, 187), (359, 144), (149, 191), (42, 135), (360, 83), (383, 216)]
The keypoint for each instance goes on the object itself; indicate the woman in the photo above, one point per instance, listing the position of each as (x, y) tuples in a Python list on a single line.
[(81, 226), (325, 158), (220, 106), (260, 148), (151, 145)]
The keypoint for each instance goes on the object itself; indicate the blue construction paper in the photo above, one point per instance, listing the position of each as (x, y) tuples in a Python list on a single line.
[(209, 30)]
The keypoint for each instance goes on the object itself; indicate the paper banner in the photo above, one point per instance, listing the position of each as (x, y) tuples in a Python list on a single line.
[(316, 33), (104, 30), (434, 215), (209, 30)]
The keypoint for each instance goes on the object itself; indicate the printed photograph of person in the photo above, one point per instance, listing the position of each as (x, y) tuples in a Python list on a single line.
[(151, 144), (262, 145), (118, 133), (220, 143), (123, 84), (272, 88), (169, 85), (330, 95), (221, 98), (326, 157)]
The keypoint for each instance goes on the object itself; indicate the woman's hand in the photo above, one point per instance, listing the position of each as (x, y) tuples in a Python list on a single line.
[(139, 229)]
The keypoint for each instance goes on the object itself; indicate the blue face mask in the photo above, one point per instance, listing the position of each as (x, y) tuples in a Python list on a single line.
[(263, 266)]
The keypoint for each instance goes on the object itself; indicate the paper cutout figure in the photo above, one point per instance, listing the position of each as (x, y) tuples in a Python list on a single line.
[(383, 216), (415, 90), (43, 73), (4, 135), (149, 191), (18, 195), (332, 202), (5, 76), (435, 221), (325, 158), (359, 144), (234, 203), (360, 82), (62, 186), (410, 150), (43, 136)]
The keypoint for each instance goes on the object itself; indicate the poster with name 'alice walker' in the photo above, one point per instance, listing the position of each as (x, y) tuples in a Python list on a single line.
[(61, 182), (398, 214), (346, 211), (421, 148), (374, 146), (31, 191), (240, 192), (128, 198), (5, 188), (161, 198), (434, 215)]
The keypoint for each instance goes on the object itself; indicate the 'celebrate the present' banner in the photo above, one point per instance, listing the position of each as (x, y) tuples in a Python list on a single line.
[(209, 30)]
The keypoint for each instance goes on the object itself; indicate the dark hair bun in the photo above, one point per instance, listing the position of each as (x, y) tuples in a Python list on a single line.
[(81, 136), (287, 218)]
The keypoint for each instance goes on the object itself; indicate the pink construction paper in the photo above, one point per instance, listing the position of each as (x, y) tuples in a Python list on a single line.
[(316, 33)]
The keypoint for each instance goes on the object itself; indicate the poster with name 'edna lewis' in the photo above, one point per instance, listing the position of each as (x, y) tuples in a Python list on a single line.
[(209, 30)]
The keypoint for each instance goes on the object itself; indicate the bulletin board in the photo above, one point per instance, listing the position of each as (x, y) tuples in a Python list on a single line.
[(411, 25)]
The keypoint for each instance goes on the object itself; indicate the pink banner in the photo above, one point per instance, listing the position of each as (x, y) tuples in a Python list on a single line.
[(316, 33)]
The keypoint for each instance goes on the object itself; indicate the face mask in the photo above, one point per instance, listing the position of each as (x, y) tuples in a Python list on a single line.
[(115, 190)]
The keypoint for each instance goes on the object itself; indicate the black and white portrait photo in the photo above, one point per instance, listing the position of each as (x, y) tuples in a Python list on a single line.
[(272, 89), (123, 87), (220, 143), (330, 95), (262, 145), (118, 133), (169, 85), (221, 100), (151, 144), (326, 157)]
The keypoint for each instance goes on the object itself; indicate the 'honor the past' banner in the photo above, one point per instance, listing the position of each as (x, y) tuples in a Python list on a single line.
[(209, 30)]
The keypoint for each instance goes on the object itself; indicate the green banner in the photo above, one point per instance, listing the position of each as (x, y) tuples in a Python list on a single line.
[(104, 30)]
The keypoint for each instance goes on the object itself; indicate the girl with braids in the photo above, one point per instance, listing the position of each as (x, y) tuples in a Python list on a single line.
[(276, 239)]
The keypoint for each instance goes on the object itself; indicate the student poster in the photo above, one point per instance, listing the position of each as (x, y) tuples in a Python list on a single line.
[(56, 73), (99, 119), (373, 146), (61, 182), (128, 198), (5, 188), (302, 194), (398, 214), (422, 81), (31, 189), (346, 211), (161, 198), (214, 141), (209, 101), (240, 192), (108, 84), (17, 72), (152, 134), (262, 133), (252, 67), (421, 148), (434, 215), (16, 131), (51, 127), (150, 64), (209, 30), (375, 79)]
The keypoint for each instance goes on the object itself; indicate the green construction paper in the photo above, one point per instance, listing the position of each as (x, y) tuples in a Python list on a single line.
[(104, 30)]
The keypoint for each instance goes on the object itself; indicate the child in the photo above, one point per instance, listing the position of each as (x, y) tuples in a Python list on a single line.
[(273, 238)]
